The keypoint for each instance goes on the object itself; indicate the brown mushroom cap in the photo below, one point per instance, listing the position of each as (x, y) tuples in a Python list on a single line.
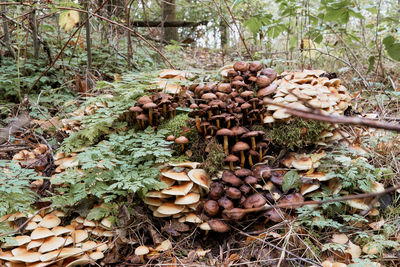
[(149, 105), (240, 146), (143, 100), (50, 221), (177, 176), (270, 89), (261, 171), (170, 208), (225, 203), (254, 201), (263, 81), (229, 177), (291, 200), (243, 172), (219, 226), (233, 193), (231, 158), (40, 233), (216, 191), (209, 96), (241, 66), (190, 198), (225, 88), (178, 190), (181, 140), (270, 73), (250, 180), (199, 177), (211, 207), (255, 66)]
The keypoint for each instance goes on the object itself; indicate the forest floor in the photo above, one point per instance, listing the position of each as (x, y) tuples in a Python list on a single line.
[(90, 125)]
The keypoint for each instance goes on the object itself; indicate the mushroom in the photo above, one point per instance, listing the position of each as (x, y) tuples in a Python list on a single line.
[(252, 135), (199, 177), (252, 154), (164, 103), (141, 251), (197, 114), (150, 106), (233, 193), (291, 200), (254, 201), (229, 177), (236, 214), (211, 207), (263, 81), (270, 73), (231, 159), (225, 133), (142, 118), (219, 226), (225, 203), (255, 66), (182, 140), (170, 138), (216, 191), (241, 66), (241, 147)]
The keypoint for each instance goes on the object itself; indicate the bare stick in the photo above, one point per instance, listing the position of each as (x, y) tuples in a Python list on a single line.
[(314, 202), (65, 45), (338, 119), (237, 27), (124, 27)]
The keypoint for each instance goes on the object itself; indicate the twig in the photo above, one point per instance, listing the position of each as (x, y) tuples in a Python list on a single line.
[(276, 247), (24, 224), (338, 119), (66, 44), (315, 202), (237, 27), (124, 27)]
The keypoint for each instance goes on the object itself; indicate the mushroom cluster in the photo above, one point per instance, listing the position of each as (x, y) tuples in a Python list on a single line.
[(36, 159), (151, 110), (182, 196), (44, 241)]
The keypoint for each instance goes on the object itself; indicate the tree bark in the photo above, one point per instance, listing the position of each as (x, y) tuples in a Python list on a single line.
[(35, 38), (169, 15), (128, 33), (88, 40), (223, 30), (6, 33), (175, 24)]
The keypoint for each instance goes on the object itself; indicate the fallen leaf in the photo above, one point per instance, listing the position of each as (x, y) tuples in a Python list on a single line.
[(377, 225), (340, 238), (164, 246), (354, 250)]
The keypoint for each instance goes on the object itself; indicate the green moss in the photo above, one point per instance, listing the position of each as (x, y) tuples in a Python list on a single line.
[(215, 157), (298, 133), (174, 125)]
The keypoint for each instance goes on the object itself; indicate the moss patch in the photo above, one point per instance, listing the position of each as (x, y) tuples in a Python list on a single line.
[(174, 125), (298, 133), (215, 157)]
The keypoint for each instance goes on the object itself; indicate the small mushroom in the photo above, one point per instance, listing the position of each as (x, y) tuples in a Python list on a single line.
[(263, 81), (182, 140), (150, 106), (241, 66), (141, 251), (233, 193), (225, 203), (225, 133), (219, 226), (211, 207), (236, 214), (230, 178), (216, 191), (231, 159), (255, 66), (241, 147), (254, 201)]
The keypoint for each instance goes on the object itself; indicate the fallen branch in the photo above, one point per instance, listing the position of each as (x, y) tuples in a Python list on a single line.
[(313, 202), (337, 119), (174, 24)]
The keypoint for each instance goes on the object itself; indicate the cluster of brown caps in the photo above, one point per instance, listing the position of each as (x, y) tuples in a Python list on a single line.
[(151, 110), (45, 242), (36, 159), (182, 196)]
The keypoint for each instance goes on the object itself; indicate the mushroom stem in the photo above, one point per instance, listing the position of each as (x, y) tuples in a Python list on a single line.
[(226, 145), (261, 155), (151, 116), (231, 165), (253, 143), (183, 147), (261, 118), (198, 124), (142, 259), (205, 130), (164, 110), (228, 125), (242, 159), (209, 114), (250, 160), (139, 124), (218, 124)]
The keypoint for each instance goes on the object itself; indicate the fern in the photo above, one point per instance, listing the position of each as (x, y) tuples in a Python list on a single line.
[(15, 194), (126, 163)]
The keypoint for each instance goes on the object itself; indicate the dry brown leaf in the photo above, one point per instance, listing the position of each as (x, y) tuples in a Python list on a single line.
[(354, 250), (340, 238), (164, 246), (377, 225)]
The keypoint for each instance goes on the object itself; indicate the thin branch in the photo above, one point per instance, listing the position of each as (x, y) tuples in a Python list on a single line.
[(124, 27), (314, 202), (66, 44), (237, 27), (338, 119)]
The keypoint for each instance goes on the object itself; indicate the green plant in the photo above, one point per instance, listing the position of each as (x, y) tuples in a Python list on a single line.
[(214, 161), (15, 192), (125, 163)]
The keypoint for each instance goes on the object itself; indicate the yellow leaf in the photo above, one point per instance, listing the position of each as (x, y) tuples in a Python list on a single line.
[(68, 19)]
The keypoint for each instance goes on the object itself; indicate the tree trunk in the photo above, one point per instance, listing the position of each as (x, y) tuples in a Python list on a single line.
[(35, 39), (223, 30), (128, 33), (6, 33), (169, 14), (88, 40)]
